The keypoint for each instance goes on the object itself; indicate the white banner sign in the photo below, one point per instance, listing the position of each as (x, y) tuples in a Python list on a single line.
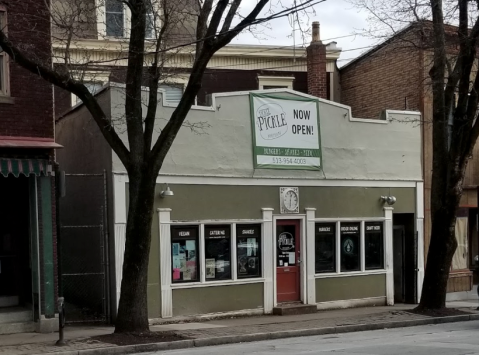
[(286, 133)]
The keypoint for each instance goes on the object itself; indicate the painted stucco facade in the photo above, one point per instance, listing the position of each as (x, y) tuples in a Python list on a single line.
[(215, 183)]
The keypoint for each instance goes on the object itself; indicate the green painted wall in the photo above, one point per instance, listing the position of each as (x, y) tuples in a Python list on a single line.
[(47, 239), (197, 202), (194, 202), (351, 287), (217, 299)]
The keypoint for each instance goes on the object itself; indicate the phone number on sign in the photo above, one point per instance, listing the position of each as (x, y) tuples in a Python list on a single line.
[(289, 161)]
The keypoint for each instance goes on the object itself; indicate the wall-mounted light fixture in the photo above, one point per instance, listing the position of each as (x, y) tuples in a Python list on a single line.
[(390, 200), (166, 192)]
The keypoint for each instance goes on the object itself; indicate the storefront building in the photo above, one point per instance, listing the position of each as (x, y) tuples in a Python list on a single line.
[(287, 198), (283, 197), (28, 238)]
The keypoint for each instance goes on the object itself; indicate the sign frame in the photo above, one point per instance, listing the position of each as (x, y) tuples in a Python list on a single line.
[(294, 166)]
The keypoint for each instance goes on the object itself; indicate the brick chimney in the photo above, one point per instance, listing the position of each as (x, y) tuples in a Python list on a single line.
[(316, 56)]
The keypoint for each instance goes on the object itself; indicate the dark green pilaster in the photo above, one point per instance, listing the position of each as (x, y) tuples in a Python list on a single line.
[(47, 238)]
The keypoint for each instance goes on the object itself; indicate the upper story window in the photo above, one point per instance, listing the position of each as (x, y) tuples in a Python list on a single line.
[(4, 87), (114, 18), (275, 82), (150, 20)]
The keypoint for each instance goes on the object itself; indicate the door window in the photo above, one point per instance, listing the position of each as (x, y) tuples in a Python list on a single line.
[(286, 246)]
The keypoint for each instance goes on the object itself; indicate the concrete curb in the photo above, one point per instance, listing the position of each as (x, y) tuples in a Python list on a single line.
[(231, 339)]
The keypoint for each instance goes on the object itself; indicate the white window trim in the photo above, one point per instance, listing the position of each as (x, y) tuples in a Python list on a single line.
[(6, 66), (201, 257), (362, 251), (286, 81)]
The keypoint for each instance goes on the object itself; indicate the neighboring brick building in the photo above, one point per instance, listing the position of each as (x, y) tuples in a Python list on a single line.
[(28, 260), (395, 75)]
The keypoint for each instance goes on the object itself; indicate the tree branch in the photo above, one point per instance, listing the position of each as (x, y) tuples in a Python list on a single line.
[(134, 76), (67, 83)]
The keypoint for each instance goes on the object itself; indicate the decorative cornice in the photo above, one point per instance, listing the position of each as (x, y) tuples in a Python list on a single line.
[(113, 47)]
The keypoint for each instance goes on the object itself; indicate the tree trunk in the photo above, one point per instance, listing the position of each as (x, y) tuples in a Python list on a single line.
[(445, 197), (441, 250), (133, 308)]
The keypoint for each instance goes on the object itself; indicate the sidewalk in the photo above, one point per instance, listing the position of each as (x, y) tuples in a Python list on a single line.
[(224, 331)]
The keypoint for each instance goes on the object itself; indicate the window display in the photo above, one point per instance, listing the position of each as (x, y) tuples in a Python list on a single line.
[(325, 247), (350, 234), (248, 250), (218, 252), (374, 246), (184, 250)]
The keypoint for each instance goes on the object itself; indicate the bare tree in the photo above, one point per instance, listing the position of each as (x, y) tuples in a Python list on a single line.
[(448, 32), (214, 24)]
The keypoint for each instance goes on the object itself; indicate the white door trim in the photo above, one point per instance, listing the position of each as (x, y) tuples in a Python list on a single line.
[(303, 257)]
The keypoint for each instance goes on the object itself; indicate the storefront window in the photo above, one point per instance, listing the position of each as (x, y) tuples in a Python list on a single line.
[(218, 252), (325, 247), (248, 250), (350, 234), (373, 245), (184, 254)]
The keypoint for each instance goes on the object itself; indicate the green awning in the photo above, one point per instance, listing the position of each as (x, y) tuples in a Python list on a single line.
[(23, 166)]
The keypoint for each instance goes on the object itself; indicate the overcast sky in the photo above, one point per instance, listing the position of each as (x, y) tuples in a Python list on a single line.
[(338, 18)]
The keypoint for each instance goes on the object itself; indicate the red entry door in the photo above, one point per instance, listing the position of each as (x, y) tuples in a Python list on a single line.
[(287, 260)]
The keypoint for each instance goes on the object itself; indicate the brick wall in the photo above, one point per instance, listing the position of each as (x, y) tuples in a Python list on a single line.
[(389, 78), (318, 79), (31, 113)]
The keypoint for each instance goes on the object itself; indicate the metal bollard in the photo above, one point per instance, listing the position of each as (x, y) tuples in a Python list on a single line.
[(61, 321)]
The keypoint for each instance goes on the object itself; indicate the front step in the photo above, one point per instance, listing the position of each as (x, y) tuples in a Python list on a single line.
[(15, 315), (291, 309), (11, 328)]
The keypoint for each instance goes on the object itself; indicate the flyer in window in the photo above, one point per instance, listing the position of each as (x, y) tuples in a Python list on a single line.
[(210, 268), (191, 266), (292, 258), (182, 262), (187, 274), (176, 248), (191, 255), (242, 261), (176, 262), (220, 265), (251, 246), (190, 245)]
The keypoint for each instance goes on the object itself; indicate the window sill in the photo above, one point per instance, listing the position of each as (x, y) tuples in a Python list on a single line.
[(7, 100), (353, 273), (217, 283)]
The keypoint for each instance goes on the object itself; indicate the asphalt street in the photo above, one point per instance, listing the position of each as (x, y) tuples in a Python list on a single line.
[(444, 339)]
